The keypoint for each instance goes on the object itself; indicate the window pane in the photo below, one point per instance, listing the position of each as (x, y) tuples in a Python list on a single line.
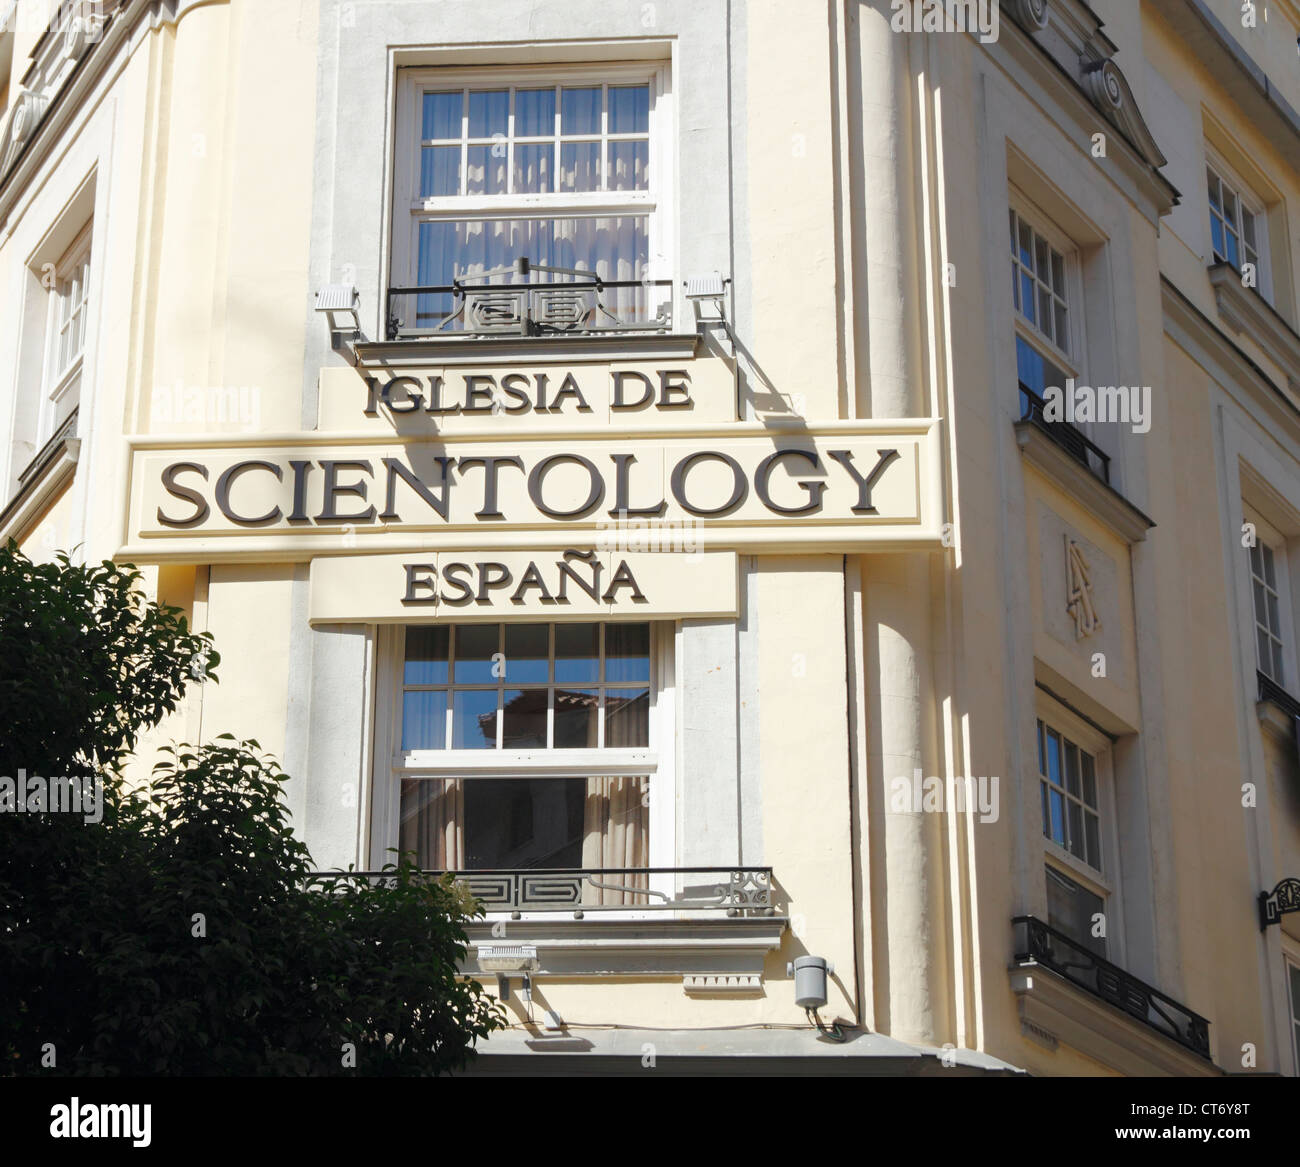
[(1231, 253), (1248, 227), (1256, 561), (1212, 181), (629, 165), (432, 822), (1026, 247), (534, 113), (1027, 297), (1041, 265), (442, 115), (627, 652), (524, 822), (524, 719), (488, 112), (580, 111), (1261, 607), (1042, 760), (475, 646), (577, 653), (424, 719), (1015, 284), (1075, 812), (576, 719), (629, 109), (580, 166), (528, 649), (1278, 673), (1230, 206), (474, 719), (533, 169), (627, 718), (1270, 576), (1057, 804), (1089, 779), (617, 248), (1265, 652), (1047, 818), (1294, 970), (1070, 909), (1045, 311), (1054, 757), (1274, 621), (1216, 234), (1093, 839), (439, 171), (1072, 768), (1062, 331), (426, 655), (1058, 273), (1012, 218), (485, 169)]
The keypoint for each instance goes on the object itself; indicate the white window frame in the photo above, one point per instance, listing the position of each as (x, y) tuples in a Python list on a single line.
[(409, 210), (1104, 882), (1247, 200), (1072, 359), (656, 761), (1291, 960), (1266, 535), (72, 271)]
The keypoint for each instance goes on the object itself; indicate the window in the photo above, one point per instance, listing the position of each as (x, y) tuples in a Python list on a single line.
[(1071, 782), (527, 745), (68, 313), (1043, 278), (1270, 593), (564, 168), (1237, 225)]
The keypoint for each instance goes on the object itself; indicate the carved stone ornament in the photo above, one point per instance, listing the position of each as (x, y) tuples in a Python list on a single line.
[(22, 119), (1079, 599), (1030, 14)]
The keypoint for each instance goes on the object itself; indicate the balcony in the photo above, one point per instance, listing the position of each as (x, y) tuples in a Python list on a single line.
[(729, 891), (1038, 945), (524, 300), (712, 927), (1071, 440)]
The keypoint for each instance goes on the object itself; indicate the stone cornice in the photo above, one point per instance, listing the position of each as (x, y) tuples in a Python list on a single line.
[(1246, 312), (1211, 347), (1104, 501), (1234, 68)]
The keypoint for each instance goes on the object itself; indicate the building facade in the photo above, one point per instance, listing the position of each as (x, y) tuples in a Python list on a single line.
[(603, 443)]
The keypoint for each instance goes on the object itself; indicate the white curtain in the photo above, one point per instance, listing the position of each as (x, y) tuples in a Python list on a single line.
[(616, 821), (615, 248)]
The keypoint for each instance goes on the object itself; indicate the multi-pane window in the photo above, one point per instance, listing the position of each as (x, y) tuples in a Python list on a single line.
[(1074, 818), (1264, 578), (560, 170), (1068, 787), (69, 312), (1236, 230), (1041, 291), (527, 745)]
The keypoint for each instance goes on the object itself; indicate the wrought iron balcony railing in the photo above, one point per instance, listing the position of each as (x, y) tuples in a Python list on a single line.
[(1270, 690), (507, 301), (1038, 942), (1071, 440), (736, 891)]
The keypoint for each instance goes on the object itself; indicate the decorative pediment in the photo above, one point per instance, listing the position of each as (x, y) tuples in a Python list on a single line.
[(1071, 34), (1106, 85)]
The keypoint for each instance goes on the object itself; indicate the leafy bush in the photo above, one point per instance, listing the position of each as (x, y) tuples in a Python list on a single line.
[(181, 934)]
